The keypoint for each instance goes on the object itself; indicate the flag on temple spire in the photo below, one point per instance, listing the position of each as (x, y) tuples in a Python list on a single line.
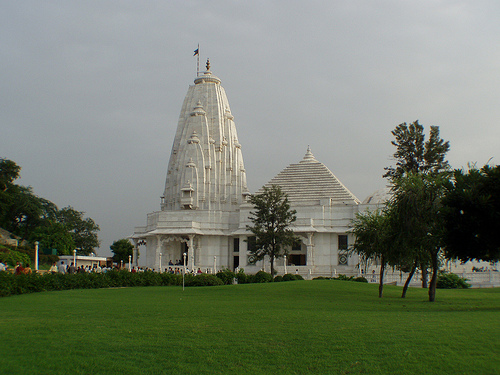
[(197, 51)]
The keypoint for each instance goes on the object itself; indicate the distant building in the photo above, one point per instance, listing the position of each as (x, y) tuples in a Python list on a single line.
[(204, 209)]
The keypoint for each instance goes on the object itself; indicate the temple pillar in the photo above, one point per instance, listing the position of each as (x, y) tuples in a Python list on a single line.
[(310, 248), (191, 252), (243, 251)]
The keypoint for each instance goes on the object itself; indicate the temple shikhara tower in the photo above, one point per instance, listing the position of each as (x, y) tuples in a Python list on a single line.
[(204, 210), (205, 185)]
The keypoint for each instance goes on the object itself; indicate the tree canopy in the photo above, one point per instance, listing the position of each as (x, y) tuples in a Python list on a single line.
[(471, 210), (122, 249), (34, 218), (414, 154), (271, 220)]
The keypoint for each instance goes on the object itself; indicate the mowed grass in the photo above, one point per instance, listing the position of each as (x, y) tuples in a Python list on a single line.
[(300, 327)]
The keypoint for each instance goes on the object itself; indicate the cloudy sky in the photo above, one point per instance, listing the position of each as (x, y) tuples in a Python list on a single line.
[(90, 91)]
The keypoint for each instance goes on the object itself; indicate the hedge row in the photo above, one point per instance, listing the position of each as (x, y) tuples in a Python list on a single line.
[(359, 279), (11, 284)]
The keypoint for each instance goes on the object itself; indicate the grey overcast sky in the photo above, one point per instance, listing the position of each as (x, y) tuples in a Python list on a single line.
[(91, 91)]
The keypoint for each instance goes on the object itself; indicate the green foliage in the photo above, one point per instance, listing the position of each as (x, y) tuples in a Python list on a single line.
[(261, 277), (122, 249), (23, 213), (271, 220), (451, 281), (203, 280), (415, 155), (82, 230), (471, 210), (11, 257), (278, 279), (242, 277), (360, 279), (227, 276), (9, 172), (292, 277), (52, 235)]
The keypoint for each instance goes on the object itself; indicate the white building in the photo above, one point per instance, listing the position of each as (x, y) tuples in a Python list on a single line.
[(204, 209)]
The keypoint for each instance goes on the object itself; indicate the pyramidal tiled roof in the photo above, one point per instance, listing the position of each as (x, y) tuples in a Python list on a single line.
[(311, 180)]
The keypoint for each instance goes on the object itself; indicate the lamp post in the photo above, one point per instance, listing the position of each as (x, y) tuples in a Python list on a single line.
[(74, 258), (121, 264), (285, 263), (129, 263), (36, 256), (184, 273), (215, 264), (160, 261)]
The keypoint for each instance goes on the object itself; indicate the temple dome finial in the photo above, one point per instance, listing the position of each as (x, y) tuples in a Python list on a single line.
[(208, 65), (308, 157)]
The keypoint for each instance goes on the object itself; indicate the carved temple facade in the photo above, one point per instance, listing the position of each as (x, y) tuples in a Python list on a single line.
[(204, 209)]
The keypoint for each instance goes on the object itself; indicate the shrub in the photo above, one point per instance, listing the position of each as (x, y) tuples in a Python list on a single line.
[(203, 280), (242, 277), (292, 277), (227, 276), (451, 281), (360, 279), (344, 277), (262, 277), (278, 279), (321, 278)]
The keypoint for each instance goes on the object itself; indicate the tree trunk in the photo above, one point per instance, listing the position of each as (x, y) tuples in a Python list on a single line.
[(408, 280), (424, 276), (381, 284), (432, 286)]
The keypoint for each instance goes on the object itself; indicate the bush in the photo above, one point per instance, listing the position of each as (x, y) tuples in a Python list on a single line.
[(242, 277), (292, 277), (278, 279), (360, 279), (261, 277), (344, 277), (451, 281), (321, 278), (227, 276), (203, 280)]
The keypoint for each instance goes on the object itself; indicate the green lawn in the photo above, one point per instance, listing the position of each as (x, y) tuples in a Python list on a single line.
[(300, 327)]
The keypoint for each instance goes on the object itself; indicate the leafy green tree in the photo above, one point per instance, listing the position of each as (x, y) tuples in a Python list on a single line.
[(9, 172), (373, 239), (121, 250), (414, 154), (416, 219), (472, 215), (82, 230), (271, 220), (54, 235)]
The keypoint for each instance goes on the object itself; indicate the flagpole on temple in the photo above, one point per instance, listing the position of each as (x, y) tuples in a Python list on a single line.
[(197, 54)]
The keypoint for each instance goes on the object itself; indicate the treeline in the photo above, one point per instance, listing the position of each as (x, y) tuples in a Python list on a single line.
[(32, 218)]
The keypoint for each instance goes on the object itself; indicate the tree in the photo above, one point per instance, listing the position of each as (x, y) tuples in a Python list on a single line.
[(472, 215), (414, 154), (372, 239), (416, 218), (9, 172), (122, 249), (54, 235), (271, 220), (82, 230)]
